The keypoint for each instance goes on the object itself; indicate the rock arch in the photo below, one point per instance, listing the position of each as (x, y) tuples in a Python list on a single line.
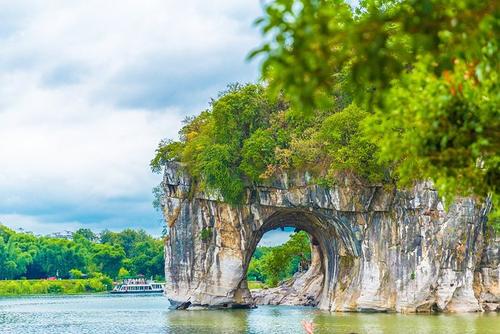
[(381, 250), (325, 233)]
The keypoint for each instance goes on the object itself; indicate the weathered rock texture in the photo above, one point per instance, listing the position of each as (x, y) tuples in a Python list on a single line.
[(380, 250)]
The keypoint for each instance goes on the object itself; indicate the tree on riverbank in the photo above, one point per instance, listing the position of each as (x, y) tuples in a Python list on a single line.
[(26, 255), (274, 264)]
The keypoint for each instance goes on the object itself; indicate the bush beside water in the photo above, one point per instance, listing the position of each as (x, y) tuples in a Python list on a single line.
[(68, 286)]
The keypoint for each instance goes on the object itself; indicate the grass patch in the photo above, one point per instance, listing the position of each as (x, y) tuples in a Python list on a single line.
[(256, 285)]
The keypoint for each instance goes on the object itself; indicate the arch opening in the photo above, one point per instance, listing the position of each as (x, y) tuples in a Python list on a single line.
[(307, 287)]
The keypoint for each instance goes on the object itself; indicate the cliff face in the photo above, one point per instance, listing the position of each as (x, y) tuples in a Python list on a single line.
[(378, 250)]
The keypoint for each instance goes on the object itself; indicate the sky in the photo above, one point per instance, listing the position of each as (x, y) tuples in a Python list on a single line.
[(276, 237), (88, 89)]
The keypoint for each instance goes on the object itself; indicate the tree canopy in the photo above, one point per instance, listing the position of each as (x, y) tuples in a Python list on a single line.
[(390, 92), (29, 256), (426, 71), (248, 137)]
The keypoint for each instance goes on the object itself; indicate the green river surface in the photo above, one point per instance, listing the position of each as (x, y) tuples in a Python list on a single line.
[(133, 314)]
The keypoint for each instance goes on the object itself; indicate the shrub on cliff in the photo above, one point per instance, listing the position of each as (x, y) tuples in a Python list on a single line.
[(247, 137), (212, 143)]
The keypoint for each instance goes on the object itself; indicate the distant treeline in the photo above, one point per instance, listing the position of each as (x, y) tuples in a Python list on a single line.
[(85, 253)]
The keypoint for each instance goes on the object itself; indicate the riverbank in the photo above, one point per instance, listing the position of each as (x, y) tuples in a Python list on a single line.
[(66, 286)]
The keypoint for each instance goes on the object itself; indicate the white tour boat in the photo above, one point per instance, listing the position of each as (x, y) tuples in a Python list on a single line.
[(138, 285)]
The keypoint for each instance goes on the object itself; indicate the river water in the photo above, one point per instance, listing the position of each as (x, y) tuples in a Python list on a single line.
[(101, 314)]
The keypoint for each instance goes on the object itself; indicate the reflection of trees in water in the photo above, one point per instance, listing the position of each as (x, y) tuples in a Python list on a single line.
[(360, 323), (286, 319), (363, 323), (208, 321)]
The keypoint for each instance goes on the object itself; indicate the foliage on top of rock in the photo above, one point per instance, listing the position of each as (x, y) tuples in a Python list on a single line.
[(247, 136)]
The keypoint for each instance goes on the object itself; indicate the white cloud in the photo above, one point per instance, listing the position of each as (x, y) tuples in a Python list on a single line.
[(88, 88), (40, 225), (57, 139), (29, 224), (275, 237)]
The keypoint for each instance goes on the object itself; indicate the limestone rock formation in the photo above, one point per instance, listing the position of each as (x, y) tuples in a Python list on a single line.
[(379, 250)]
